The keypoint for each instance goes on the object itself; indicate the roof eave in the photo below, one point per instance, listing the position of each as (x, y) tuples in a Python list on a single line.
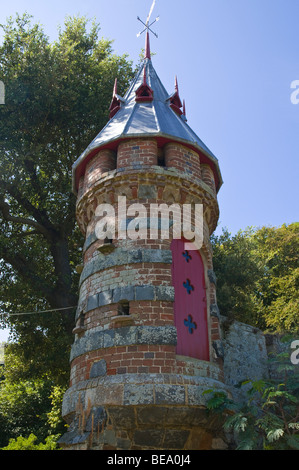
[(191, 144)]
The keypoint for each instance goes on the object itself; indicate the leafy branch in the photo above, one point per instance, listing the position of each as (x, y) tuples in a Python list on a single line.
[(268, 419)]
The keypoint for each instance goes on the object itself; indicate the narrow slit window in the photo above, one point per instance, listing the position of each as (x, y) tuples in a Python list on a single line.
[(124, 309), (161, 159)]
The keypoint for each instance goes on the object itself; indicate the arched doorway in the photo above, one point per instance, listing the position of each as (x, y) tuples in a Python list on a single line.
[(190, 304)]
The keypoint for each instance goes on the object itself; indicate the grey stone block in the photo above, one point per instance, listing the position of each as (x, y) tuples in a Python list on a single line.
[(138, 394), (194, 416), (214, 310), (123, 293), (109, 437), (73, 437), (164, 293), (146, 191), (105, 298), (212, 276), (175, 438), (135, 256), (157, 335), (98, 369), (90, 239), (170, 394), (108, 338), (151, 415), (122, 417), (92, 302), (98, 416), (144, 293), (157, 256), (195, 395), (125, 336), (218, 348), (149, 437)]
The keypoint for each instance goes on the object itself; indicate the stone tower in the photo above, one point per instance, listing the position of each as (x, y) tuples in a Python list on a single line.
[(147, 337)]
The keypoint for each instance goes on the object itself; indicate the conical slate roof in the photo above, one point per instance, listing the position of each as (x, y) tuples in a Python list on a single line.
[(157, 115)]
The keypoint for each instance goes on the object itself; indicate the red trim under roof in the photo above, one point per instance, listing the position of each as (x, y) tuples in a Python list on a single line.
[(161, 141)]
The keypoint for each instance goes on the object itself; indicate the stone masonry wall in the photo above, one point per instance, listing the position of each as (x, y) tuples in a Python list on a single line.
[(245, 355)]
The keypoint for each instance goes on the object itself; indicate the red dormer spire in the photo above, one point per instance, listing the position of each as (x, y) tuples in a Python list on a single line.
[(144, 92), (176, 86), (175, 101), (116, 101)]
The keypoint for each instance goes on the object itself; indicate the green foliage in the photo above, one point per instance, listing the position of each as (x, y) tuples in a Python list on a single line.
[(23, 408), (237, 272), (29, 443), (30, 407), (54, 419), (278, 253), (268, 418), (258, 276), (2, 346), (57, 98)]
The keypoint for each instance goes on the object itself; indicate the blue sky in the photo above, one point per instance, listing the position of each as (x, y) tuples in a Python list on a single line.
[(235, 61)]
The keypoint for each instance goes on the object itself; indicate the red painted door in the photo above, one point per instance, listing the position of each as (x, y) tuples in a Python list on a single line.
[(190, 304)]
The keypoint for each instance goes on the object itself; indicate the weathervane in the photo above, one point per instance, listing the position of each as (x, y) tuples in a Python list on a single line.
[(147, 25)]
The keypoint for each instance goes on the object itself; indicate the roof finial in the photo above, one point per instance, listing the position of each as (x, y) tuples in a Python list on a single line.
[(115, 88), (147, 28), (176, 86), (147, 53)]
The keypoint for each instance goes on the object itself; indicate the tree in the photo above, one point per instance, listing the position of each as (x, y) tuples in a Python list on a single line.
[(29, 443), (23, 409), (56, 100), (277, 251), (237, 271), (258, 276)]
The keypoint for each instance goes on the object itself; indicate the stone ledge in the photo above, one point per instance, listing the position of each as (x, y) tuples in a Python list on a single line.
[(129, 293), (125, 336), (122, 257), (140, 389)]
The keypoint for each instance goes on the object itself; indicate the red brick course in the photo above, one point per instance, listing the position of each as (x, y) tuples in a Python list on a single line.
[(183, 159), (143, 152), (148, 359)]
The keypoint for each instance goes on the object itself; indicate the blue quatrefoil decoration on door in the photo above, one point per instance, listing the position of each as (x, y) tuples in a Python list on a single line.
[(187, 256), (188, 286), (190, 324)]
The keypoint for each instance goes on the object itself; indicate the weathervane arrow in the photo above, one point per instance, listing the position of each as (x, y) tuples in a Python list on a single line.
[(147, 25)]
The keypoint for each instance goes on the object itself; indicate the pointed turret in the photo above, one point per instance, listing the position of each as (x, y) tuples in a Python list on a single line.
[(146, 110)]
